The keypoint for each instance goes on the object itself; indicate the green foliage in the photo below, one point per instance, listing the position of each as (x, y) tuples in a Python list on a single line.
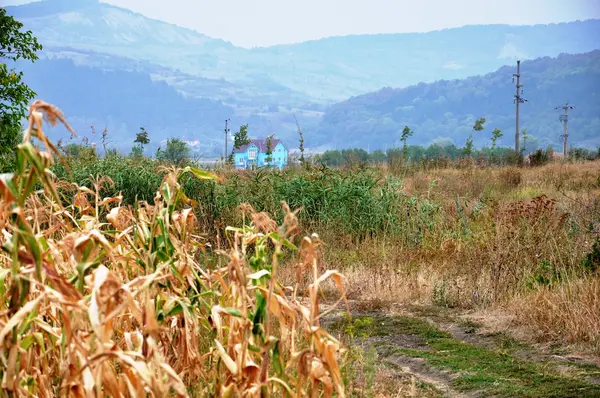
[(406, 132), (479, 124), (468, 150), (82, 151), (496, 134), (135, 179), (541, 157), (301, 147), (14, 45), (269, 152), (240, 138), (177, 152), (582, 154), (137, 151), (141, 139), (10, 137), (591, 262), (433, 155), (544, 276)]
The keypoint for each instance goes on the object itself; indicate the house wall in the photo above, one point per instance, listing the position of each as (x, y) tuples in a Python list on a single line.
[(279, 156)]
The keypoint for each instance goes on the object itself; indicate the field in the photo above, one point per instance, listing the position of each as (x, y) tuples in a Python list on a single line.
[(131, 276)]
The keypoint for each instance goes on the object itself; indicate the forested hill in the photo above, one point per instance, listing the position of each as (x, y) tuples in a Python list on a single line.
[(447, 109)]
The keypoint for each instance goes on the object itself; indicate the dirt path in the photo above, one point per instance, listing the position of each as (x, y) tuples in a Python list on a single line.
[(452, 357)]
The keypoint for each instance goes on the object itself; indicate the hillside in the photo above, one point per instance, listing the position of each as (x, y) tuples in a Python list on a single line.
[(317, 71), (448, 108), (124, 101)]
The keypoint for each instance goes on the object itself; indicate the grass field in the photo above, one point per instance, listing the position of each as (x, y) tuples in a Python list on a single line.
[(129, 275)]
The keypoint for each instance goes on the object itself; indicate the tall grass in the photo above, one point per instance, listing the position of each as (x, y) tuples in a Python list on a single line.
[(455, 234), (98, 298)]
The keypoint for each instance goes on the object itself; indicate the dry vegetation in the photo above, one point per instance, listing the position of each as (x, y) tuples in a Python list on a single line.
[(125, 277), (523, 241), (102, 299)]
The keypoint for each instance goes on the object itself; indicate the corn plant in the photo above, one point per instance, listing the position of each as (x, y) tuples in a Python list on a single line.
[(98, 298)]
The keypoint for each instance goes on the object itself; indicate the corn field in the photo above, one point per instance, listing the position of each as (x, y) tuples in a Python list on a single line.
[(100, 298)]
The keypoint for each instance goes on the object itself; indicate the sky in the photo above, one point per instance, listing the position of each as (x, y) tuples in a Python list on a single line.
[(251, 23)]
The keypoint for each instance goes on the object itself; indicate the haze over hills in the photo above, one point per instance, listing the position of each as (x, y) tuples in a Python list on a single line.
[(446, 110), (266, 86), (328, 69)]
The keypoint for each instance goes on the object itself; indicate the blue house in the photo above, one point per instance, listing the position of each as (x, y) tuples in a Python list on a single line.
[(255, 155)]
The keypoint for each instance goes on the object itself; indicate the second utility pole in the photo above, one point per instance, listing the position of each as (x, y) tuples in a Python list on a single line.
[(518, 100), (565, 119)]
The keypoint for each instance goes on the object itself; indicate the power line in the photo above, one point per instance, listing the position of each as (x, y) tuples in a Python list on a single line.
[(518, 101), (565, 120)]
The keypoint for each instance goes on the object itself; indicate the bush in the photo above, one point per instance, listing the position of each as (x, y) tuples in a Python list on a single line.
[(540, 157)]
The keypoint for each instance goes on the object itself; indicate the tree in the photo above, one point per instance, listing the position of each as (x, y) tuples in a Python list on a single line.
[(300, 143), (406, 132), (14, 94), (176, 152), (496, 134), (478, 126), (269, 152), (142, 138), (240, 138)]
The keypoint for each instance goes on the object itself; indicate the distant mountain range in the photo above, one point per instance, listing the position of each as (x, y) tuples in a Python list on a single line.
[(265, 87), (447, 109)]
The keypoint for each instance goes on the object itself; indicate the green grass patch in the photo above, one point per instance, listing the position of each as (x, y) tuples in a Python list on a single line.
[(475, 368)]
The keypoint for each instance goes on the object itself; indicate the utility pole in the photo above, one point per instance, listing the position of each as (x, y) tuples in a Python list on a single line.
[(226, 136), (565, 120), (518, 101)]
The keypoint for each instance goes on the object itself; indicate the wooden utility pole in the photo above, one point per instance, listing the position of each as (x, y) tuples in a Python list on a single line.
[(226, 135), (565, 120), (518, 101)]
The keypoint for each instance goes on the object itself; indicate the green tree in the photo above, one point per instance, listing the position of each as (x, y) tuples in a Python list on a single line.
[(14, 94), (141, 139), (496, 134), (177, 152), (478, 126), (240, 138), (406, 132), (269, 152), (300, 143)]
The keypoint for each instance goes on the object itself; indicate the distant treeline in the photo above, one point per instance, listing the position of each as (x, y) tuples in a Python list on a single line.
[(417, 153)]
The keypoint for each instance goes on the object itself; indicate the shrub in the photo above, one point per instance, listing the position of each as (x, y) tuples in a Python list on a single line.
[(540, 157)]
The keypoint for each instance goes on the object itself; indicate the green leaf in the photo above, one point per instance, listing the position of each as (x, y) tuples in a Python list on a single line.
[(199, 174), (233, 311)]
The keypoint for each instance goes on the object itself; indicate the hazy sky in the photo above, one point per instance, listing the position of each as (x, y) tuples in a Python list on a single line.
[(263, 22)]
